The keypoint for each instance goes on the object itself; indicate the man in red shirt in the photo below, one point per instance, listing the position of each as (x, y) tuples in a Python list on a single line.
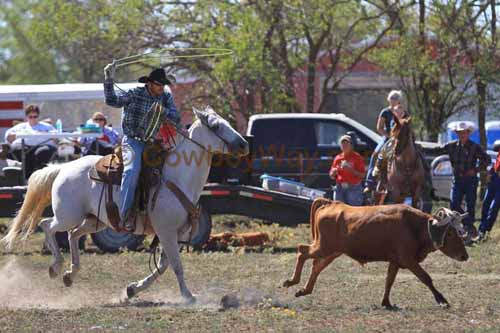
[(348, 170), (491, 202)]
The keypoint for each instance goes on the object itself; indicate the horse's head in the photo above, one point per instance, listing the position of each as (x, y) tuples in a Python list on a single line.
[(402, 133), (220, 136)]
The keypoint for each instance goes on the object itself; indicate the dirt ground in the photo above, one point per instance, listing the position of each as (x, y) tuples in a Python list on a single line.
[(347, 296)]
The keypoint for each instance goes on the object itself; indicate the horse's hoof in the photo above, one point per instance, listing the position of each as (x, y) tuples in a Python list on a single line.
[(68, 281), (52, 272), (130, 291)]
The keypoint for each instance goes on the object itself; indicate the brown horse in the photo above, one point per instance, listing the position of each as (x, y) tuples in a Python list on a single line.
[(405, 171)]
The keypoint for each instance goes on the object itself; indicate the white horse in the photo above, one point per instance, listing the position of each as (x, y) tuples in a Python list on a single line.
[(75, 199)]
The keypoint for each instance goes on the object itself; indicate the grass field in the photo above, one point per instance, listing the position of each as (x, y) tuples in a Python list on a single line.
[(347, 296)]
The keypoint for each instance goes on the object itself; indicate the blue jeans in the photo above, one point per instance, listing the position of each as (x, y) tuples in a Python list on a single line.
[(464, 187), (132, 158), (352, 195), (370, 181), (491, 204)]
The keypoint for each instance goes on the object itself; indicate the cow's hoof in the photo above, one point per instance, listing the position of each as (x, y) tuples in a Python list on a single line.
[(130, 291), (387, 305), (68, 281), (301, 292), (289, 283), (390, 307), (52, 272), (444, 305), (190, 300)]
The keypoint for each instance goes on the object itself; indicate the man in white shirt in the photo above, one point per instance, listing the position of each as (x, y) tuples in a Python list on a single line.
[(38, 151)]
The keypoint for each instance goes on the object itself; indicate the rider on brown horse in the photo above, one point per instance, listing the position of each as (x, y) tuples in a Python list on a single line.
[(380, 169)]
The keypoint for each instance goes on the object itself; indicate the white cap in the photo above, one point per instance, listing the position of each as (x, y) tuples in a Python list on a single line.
[(345, 138)]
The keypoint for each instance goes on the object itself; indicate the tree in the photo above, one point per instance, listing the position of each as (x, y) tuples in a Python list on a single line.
[(249, 80), (57, 41), (21, 60), (472, 26), (430, 69), (307, 31), (272, 41)]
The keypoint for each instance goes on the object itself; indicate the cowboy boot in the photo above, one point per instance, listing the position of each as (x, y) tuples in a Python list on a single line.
[(377, 170)]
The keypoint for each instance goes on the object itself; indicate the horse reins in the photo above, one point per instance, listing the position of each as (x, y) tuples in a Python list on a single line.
[(180, 131)]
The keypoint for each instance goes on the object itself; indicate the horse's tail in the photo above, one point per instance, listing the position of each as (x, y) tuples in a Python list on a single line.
[(38, 197)]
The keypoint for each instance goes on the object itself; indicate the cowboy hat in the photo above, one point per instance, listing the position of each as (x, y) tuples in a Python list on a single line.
[(158, 75), (463, 126)]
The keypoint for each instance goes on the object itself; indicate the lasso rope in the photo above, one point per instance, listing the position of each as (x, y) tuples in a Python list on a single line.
[(154, 124), (166, 53), (204, 53)]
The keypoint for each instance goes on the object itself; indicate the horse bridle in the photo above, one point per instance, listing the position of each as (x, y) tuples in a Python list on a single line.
[(398, 149), (181, 132)]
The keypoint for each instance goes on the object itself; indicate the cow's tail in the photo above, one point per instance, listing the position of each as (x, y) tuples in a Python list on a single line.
[(314, 207), (38, 197)]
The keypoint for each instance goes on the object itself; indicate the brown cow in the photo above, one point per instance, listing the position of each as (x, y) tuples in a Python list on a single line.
[(399, 234)]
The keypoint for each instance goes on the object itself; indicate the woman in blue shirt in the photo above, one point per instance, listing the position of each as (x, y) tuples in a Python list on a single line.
[(103, 145), (384, 124)]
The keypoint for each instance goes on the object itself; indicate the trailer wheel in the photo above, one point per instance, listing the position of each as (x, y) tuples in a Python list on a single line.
[(204, 229), (111, 241)]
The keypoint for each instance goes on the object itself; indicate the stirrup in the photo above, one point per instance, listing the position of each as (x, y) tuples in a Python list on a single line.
[(128, 223)]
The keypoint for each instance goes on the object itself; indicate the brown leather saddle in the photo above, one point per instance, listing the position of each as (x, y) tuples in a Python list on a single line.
[(109, 169)]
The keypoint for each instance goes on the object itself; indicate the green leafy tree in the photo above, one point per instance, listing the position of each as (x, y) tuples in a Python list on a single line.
[(431, 72), (21, 60), (57, 41)]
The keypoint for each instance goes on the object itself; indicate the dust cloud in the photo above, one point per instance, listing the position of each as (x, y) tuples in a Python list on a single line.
[(24, 287)]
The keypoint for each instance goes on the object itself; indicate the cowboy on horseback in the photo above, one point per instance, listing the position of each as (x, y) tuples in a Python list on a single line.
[(380, 169), (144, 110), (384, 124)]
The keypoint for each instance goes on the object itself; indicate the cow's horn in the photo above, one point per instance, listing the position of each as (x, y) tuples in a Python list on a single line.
[(440, 223), (464, 215)]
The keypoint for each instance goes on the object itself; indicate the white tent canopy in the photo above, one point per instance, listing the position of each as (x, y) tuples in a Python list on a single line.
[(56, 92)]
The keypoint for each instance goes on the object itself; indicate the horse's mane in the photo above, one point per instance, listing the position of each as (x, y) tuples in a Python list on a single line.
[(396, 130)]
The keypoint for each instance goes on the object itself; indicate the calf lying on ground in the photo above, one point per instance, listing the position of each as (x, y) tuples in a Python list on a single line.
[(399, 234)]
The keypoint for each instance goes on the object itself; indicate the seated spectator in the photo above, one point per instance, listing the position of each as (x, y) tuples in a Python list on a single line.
[(103, 145), (348, 170), (38, 151)]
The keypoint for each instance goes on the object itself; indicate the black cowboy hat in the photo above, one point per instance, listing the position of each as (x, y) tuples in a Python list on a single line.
[(158, 75)]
